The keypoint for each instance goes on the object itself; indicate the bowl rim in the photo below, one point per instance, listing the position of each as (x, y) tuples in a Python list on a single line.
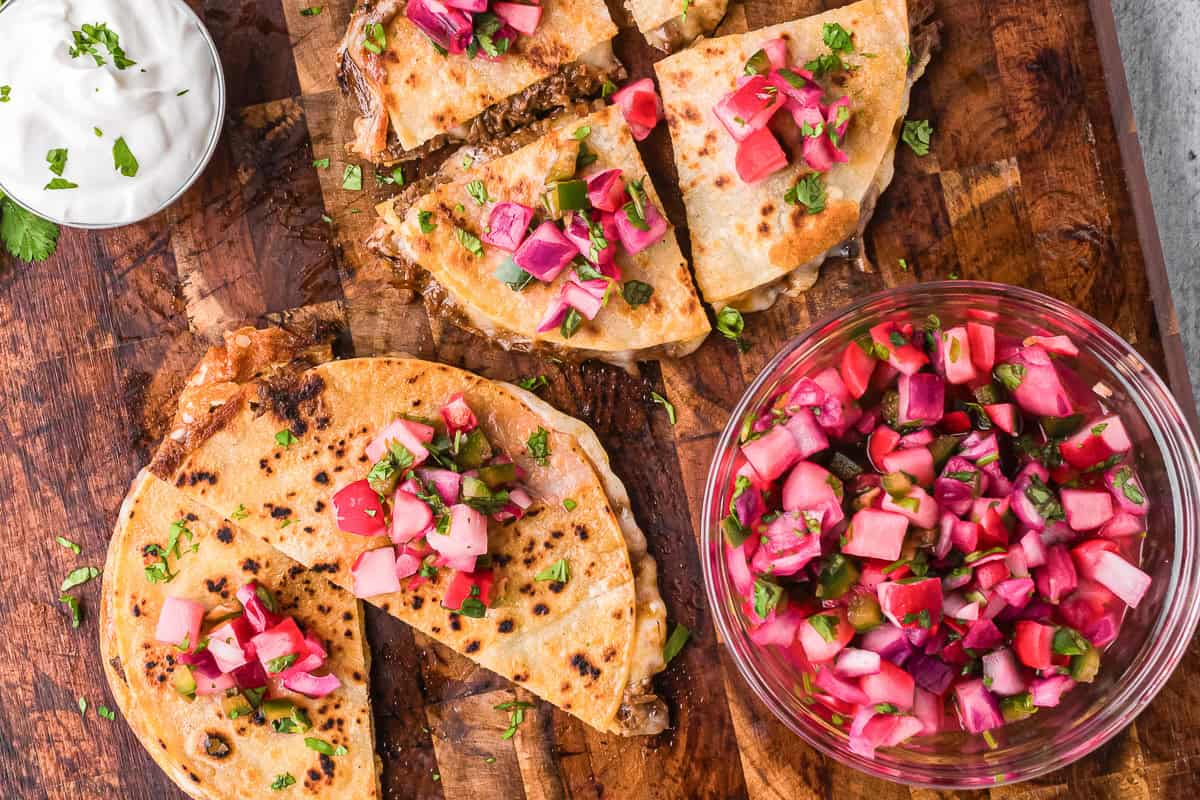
[(210, 149), (1151, 667)]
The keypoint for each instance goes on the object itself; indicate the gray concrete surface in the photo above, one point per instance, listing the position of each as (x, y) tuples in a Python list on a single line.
[(1160, 42)]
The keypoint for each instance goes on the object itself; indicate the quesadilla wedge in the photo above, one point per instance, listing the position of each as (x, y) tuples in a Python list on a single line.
[(560, 244), (427, 72), (671, 24), (188, 597), (467, 508), (784, 139)]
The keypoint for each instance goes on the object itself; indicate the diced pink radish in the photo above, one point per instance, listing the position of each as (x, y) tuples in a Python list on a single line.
[(446, 482), (810, 487), (581, 300), (966, 536), (357, 509), (411, 516), (1003, 673), (809, 437), (313, 657), (283, 640), (930, 711), (912, 605), (633, 238), (1127, 490), (1035, 551), (978, 710), (1057, 578), (914, 461), (179, 622), (1021, 503), (771, 454), (1122, 525), (634, 100), (374, 573), (1048, 692), (983, 635), (1086, 509), (904, 357), (845, 690), (854, 663), (458, 416), (606, 190), (739, 569), (545, 253), (924, 515), (813, 641), (777, 629), (777, 52), (314, 686), (466, 536), (799, 88), (1118, 576), (856, 367), (748, 108), (922, 398), (759, 156), (1017, 592), (408, 563), (250, 595), (890, 685), (523, 18), (1040, 391), (957, 364), (227, 643), (413, 436), (507, 226), (983, 346), (876, 534), (1095, 443)]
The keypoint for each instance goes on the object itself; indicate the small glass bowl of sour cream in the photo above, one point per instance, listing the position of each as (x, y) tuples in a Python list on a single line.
[(109, 110)]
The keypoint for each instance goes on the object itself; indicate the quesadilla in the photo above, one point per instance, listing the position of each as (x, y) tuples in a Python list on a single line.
[(560, 244), (427, 72), (671, 24), (784, 139), (467, 508), (239, 670)]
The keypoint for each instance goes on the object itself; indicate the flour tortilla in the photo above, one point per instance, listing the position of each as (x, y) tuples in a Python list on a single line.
[(412, 94), (672, 323), (589, 646), (747, 243), (140, 670), (666, 26)]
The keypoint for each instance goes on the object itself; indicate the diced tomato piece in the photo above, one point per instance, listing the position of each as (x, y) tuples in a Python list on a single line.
[(758, 156), (902, 603), (956, 422), (883, 440), (465, 585)]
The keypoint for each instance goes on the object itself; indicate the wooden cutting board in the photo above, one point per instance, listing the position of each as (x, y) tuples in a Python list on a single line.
[(1035, 179)]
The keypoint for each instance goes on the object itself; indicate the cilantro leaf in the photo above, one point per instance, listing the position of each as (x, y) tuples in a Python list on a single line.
[(538, 446), (675, 642), (917, 134), (123, 159), (25, 235)]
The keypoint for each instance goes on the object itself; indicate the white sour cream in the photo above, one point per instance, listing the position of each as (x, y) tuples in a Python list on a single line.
[(167, 107)]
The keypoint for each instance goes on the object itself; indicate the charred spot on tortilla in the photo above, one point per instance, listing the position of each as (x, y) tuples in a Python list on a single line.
[(580, 662), (225, 534)]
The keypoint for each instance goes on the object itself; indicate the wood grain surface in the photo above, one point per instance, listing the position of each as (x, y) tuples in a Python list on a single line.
[(1029, 182)]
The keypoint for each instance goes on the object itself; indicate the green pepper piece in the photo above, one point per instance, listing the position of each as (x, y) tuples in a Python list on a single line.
[(758, 64), (564, 168), (897, 484), (185, 683), (473, 450), (890, 406), (1017, 707), (1084, 667), (565, 196), (1056, 427), (384, 477), (987, 394), (838, 574), (866, 498), (735, 534), (498, 475), (844, 467), (473, 487), (236, 705), (941, 449), (864, 613)]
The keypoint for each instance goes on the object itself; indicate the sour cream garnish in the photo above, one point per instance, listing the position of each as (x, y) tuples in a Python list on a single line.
[(164, 110)]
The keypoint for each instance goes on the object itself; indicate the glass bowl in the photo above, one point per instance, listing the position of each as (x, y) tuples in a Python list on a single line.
[(1154, 636)]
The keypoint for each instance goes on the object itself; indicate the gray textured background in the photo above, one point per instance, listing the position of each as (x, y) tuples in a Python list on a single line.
[(1160, 42)]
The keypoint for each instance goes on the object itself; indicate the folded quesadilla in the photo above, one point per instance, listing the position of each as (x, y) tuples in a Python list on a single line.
[(467, 508), (427, 72), (239, 670), (560, 244), (672, 24), (784, 139)]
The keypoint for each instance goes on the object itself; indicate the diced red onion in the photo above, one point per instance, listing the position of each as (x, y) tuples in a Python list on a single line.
[(545, 253), (508, 224)]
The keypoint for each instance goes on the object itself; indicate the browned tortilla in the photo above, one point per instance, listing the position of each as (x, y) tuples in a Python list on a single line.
[(589, 646)]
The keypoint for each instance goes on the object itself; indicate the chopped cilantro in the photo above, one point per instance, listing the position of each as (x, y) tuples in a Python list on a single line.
[(25, 235), (78, 577), (559, 572), (240, 512), (72, 604), (917, 134), (311, 11), (637, 293), (123, 159), (352, 178), (538, 447), (569, 504), (324, 747), (675, 642), (533, 382), (283, 781), (85, 42), (730, 325), (67, 543), (285, 438), (837, 38), (826, 625), (516, 709), (423, 219), (469, 241), (478, 192), (321, 163), (666, 404), (808, 192), (767, 595)]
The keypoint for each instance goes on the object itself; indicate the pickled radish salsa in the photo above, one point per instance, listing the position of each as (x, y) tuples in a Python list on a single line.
[(431, 489), (942, 532), (770, 84), (478, 28), (250, 655)]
